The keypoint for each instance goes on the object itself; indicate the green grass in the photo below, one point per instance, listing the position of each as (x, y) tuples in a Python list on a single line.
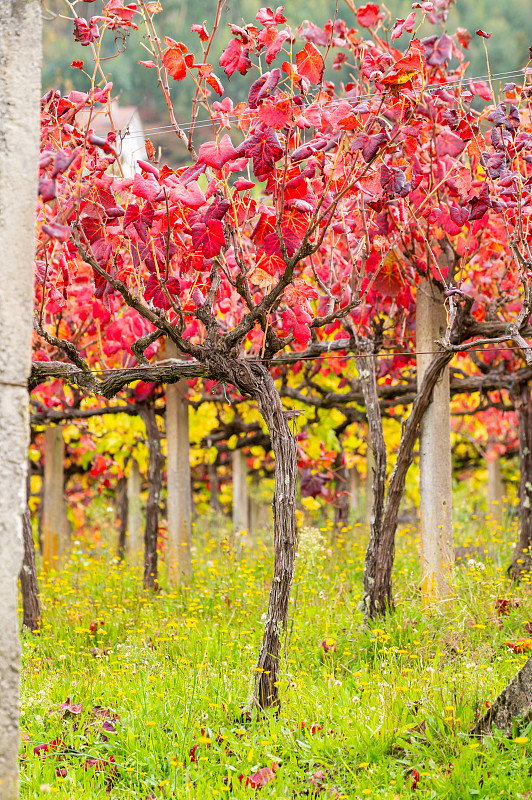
[(175, 668)]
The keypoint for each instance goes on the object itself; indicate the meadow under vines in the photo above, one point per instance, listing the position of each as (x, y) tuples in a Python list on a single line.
[(133, 694)]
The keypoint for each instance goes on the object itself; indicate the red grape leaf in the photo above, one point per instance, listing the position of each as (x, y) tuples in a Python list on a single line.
[(276, 113), (154, 291), (190, 195), (388, 281), (140, 218), (449, 144), (235, 57), (56, 231), (177, 61), (208, 237), (264, 148), (298, 292), (216, 154), (310, 63), (369, 15), (147, 188)]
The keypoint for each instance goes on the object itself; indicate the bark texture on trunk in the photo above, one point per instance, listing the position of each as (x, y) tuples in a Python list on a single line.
[(373, 566), (31, 607), (121, 504), (155, 470), (522, 561), (253, 379), (265, 691), (435, 470), (20, 89), (514, 700)]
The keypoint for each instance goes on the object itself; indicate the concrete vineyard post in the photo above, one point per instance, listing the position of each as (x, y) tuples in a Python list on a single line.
[(370, 469), (495, 489), (20, 89), (240, 498), (179, 566), (354, 489), (434, 454), (54, 503), (134, 516)]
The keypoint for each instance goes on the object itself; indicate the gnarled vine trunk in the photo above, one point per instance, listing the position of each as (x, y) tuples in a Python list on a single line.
[(31, 607), (265, 690), (155, 469), (378, 597), (522, 560)]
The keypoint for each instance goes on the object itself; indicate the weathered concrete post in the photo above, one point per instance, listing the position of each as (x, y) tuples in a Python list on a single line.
[(178, 563), (53, 523), (354, 489), (434, 454), (495, 488), (20, 89), (134, 516), (240, 498), (370, 469), (214, 481)]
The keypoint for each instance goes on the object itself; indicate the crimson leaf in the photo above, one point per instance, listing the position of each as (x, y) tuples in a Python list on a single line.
[(264, 148), (208, 237)]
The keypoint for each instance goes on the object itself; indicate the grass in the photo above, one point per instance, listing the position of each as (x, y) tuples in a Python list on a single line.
[(384, 713)]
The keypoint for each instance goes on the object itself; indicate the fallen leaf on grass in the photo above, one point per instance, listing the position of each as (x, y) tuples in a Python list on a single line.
[(415, 778), (318, 778), (312, 729), (260, 778), (105, 766), (520, 646), (70, 708), (55, 746), (503, 606)]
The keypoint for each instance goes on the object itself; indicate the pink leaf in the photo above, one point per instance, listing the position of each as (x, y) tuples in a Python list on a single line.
[(235, 57), (216, 154), (146, 188), (56, 231)]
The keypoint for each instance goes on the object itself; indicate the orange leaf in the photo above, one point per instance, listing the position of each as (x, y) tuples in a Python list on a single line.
[(520, 646), (407, 67), (261, 278), (270, 262), (177, 62), (310, 63), (276, 113)]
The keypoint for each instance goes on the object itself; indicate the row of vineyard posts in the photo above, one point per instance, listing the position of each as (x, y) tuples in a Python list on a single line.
[(178, 541)]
